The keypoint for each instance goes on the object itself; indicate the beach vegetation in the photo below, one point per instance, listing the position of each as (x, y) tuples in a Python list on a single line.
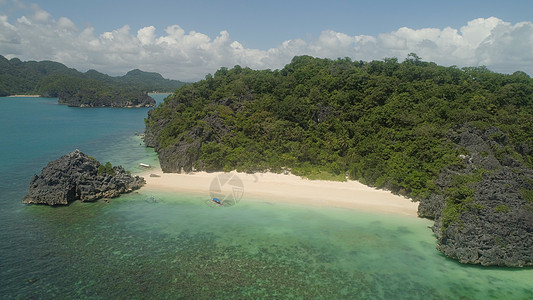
[(314, 173), (107, 168)]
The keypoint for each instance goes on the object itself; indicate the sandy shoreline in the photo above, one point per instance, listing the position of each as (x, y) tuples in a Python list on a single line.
[(24, 96), (159, 93), (288, 189)]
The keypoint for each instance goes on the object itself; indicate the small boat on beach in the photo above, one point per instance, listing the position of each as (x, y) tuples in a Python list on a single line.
[(217, 201)]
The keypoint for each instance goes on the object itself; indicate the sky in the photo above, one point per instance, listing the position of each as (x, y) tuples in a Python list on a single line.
[(186, 40)]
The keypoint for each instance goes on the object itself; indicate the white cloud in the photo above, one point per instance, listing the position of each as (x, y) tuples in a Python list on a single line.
[(9, 38), (146, 35), (501, 46), (23, 20), (66, 24), (41, 16)]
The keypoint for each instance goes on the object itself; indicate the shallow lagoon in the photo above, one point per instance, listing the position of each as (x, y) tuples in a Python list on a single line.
[(181, 247)]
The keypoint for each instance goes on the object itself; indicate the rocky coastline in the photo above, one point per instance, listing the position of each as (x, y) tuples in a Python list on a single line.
[(76, 176), (495, 226), (457, 141), (494, 229), (119, 100)]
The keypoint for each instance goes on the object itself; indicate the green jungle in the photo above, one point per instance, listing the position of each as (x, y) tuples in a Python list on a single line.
[(383, 123)]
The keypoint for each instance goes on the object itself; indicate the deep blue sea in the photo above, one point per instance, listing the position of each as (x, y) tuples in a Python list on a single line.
[(178, 247)]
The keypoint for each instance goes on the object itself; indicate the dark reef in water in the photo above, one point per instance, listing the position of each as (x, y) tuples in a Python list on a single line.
[(76, 176)]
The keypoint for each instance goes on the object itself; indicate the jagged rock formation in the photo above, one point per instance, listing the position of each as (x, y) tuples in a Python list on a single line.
[(183, 155), (86, 98), (76, 176), (496, 228)]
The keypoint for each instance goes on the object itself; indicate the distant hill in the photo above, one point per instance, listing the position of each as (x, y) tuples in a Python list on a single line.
[(74, 88), (150, 81), (146, 81)]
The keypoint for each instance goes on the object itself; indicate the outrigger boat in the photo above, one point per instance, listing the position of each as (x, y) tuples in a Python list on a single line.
[(217, 201)]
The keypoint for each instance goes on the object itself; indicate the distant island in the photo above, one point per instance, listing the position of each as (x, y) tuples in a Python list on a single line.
[(459, 141), (73, 88)]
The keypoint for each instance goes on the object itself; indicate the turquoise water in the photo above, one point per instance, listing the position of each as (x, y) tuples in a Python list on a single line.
[(180, 247)]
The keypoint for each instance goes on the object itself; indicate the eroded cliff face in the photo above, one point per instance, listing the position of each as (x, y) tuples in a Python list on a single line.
[(185, 153), (494, 226), (75, 176)]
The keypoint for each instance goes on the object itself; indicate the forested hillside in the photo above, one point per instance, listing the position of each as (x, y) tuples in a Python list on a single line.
[(52, 79), (442, 135)]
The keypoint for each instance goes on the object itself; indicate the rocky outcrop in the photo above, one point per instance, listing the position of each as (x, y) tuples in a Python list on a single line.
[(104, 99), (496, 228), (183, 155), (76, 176)]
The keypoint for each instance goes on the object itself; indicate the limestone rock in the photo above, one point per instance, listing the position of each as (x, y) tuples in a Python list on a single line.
[(497, 229), (75, 177)]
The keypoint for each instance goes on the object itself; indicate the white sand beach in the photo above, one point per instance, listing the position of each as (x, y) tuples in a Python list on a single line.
[(23, 96), (290, 189)]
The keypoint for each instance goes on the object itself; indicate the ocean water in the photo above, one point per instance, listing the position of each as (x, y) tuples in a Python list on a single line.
[(179, 247)]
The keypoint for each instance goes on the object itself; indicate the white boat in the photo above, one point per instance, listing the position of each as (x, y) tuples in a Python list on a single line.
[(144, 165)]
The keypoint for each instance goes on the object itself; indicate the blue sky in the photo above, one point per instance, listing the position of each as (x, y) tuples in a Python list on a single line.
[(265, 24), (264, 34)]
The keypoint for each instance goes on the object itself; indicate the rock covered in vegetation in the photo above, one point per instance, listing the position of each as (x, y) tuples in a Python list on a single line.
[(103, 98), (484, 211), (184, 154), (76, 176), (459, 140)]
